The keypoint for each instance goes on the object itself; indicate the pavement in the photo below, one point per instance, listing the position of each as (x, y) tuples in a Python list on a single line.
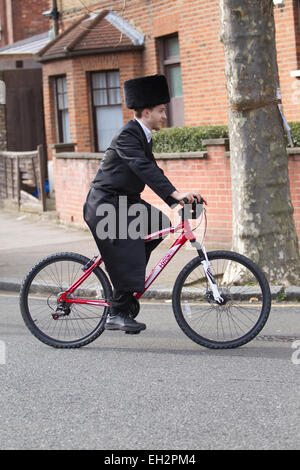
[(26, 238)]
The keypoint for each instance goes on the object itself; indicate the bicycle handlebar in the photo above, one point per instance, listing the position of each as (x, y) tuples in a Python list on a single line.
[(202, 201), (192, 211)]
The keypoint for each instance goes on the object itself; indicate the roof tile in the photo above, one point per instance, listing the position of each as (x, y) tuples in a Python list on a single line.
[(104, 31)]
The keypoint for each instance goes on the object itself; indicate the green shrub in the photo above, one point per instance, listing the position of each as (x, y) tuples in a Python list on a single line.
[(295, 132), (189, 139), (186, 139)]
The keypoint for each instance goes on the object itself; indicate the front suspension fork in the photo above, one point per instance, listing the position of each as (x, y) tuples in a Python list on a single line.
[(209, 276)]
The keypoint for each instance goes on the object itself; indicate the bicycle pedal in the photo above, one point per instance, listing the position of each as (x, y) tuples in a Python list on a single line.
[(132, 332)]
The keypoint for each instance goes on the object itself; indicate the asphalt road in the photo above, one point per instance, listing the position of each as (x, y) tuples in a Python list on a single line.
[(156, 390)]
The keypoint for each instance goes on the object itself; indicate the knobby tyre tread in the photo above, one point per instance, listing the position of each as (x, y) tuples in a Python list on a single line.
[(99, 273), (265, 290)]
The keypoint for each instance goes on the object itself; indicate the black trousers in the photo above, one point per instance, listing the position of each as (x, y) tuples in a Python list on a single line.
[(125, 258)]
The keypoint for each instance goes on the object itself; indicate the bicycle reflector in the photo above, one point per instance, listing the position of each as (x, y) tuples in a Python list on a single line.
[(191, 211)]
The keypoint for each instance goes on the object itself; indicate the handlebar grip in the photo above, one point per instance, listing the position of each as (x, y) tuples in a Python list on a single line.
[(202, 201), (192, 211)]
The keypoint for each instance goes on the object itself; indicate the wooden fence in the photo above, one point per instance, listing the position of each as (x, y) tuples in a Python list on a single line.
[(22, 171)]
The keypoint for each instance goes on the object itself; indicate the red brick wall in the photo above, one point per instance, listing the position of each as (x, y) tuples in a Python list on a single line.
[(202, 56), (205, 100), (202, 62), (72, 180), (211, 176), (288, 55), (4, 38), (81, 125), (294, 175), (26, 19), (201, 52)]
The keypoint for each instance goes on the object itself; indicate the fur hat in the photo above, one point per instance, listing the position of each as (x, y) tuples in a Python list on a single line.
[(146, 92)]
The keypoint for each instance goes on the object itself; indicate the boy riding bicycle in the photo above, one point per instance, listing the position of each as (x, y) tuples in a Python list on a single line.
[(128, 165)]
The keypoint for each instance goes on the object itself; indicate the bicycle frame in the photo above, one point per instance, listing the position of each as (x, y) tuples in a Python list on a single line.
[(186, 235)]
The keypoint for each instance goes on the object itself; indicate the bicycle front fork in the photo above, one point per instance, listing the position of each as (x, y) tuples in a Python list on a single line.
[(209, 276)]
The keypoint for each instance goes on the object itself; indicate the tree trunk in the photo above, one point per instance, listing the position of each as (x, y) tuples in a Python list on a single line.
[(263, 224)]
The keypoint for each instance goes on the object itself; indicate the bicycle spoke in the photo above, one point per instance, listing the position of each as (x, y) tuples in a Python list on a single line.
[(75, 321), (232, 318)]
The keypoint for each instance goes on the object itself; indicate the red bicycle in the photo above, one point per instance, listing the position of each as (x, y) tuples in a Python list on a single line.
[(220, 299)]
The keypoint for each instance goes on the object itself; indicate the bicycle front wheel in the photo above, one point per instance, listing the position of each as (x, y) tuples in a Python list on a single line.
[(80, 324), (243, 311)]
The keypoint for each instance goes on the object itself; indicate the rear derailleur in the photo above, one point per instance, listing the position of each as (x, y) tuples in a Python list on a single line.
[(62, 310)]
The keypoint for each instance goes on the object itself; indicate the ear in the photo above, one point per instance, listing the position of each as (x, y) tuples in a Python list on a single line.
[(146, 112)]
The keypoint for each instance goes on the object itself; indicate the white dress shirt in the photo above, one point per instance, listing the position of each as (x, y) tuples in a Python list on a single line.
[(145, 129)]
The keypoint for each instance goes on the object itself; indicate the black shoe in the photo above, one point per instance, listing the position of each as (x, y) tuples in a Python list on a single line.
[(123, 322)]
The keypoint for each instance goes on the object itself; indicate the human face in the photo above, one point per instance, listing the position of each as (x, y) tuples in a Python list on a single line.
[(156, 117)]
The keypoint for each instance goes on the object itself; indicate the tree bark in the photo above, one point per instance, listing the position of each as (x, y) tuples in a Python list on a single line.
[(263, 224)]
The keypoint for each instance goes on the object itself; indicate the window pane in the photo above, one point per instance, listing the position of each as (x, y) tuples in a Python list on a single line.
[(66, 103), (99, 80), (109, 121), (175, 81), (113, 79), (61, 102), (100, 98), (172, 47), (66, 126), (114, 96), (64, 84), (60, 84), (62, 113)]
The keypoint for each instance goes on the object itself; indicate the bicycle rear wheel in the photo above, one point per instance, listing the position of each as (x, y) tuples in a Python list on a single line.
[(242, 314), (40, 290)]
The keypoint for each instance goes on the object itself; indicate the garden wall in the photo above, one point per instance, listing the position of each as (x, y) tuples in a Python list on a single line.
[(208, 172)]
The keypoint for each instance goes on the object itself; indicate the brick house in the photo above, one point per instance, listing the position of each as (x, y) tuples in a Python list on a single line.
[(21, 19), (106, 43), (101, 48)]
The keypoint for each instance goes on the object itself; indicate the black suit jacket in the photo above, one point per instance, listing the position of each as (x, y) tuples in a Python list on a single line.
[(129, 164)]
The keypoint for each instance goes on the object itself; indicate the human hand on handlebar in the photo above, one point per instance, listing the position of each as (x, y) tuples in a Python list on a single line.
[(190, 197)]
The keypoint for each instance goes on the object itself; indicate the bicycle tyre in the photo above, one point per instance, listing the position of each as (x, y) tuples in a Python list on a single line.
[(32, 287), (243, 301)]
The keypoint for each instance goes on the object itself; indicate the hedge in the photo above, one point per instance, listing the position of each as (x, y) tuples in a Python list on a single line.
[(295, 132), (189, 139), (186, 139)]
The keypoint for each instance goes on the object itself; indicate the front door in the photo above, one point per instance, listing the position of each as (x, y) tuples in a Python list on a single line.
[(24, 109)]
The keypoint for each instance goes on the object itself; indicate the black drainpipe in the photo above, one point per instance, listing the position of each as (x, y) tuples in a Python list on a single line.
[(55, 15)]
